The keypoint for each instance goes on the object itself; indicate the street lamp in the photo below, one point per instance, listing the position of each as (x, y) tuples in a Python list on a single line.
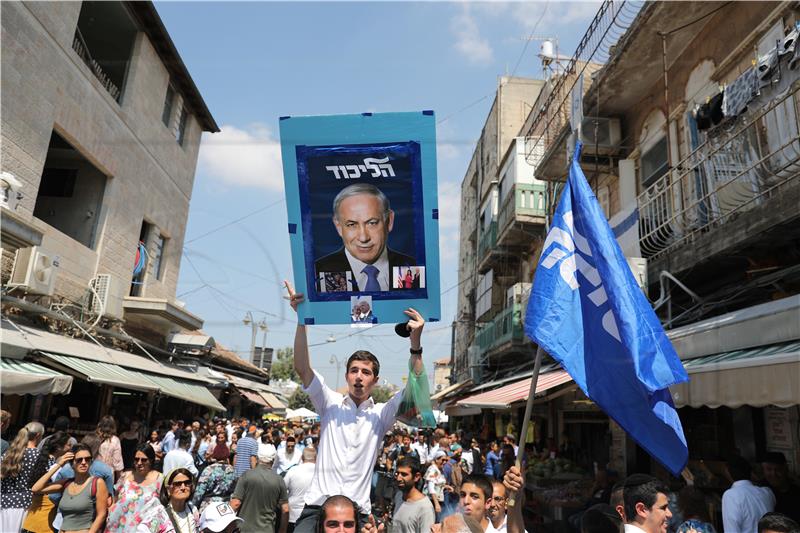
[(248, 320), (335, 361)]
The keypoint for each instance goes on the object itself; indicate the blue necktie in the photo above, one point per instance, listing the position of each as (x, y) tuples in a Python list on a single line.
[(372, 278)]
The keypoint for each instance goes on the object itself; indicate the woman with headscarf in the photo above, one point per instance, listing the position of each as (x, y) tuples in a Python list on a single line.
[(16, 468)]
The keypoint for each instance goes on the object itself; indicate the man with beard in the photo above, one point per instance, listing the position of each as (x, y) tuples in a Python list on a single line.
[(413, 511), (288, 456)]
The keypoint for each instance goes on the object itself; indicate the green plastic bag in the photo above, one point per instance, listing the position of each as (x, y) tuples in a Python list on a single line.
[(415, 409)]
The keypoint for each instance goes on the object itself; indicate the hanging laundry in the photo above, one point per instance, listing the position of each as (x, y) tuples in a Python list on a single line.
[(739, 93), (710, 114)]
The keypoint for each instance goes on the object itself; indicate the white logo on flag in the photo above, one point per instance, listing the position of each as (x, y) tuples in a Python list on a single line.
[(569, 263)]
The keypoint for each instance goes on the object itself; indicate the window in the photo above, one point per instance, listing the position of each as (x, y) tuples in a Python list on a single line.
[(142, 259), (70, 193), (182, 126), (104, 40), (158, 256), (654, 162), (166, 114)]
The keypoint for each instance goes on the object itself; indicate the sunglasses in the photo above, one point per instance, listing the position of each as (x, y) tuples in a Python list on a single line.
[(182, 483), (80, 460), (334, 524), (141, 460)]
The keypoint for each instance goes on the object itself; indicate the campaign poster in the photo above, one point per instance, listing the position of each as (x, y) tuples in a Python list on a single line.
[(361, 196)]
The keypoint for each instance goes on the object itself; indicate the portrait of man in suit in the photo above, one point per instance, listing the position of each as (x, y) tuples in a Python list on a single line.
[(363, 219)]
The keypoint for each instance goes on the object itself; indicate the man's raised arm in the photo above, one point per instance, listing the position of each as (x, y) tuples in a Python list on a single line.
[(302, 363), (415, 325)]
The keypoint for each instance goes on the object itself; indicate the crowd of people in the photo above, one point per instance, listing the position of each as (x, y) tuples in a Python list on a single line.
[(230, 475), (353, 471)]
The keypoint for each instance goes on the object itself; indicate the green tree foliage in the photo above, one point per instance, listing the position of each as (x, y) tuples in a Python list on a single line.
[(300, 399), (283, 365)]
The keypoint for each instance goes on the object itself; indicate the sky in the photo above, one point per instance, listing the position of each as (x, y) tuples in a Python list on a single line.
[(256, 61)]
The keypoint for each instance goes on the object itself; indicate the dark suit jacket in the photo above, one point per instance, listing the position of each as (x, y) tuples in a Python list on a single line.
[(337, 262)]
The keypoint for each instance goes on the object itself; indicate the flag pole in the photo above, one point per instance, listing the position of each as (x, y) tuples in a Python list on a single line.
[(523, 436)]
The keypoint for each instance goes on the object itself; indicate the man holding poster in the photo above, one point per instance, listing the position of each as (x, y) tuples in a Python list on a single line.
[(352, 425), (363, 219)]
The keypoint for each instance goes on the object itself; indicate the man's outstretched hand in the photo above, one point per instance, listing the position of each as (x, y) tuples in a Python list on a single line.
[(415, 325), (295, 298)]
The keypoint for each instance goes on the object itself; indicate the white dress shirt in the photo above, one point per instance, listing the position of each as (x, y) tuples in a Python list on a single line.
[(349, 439), (422, 451), (631, 528), (743, 505), (297, 480), (179, 458), (382, 264)]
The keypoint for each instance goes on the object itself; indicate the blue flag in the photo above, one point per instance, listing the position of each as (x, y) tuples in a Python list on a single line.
[(587, 311)]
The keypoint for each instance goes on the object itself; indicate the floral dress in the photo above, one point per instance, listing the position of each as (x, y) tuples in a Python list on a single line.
[(134, 505), (216, 484)]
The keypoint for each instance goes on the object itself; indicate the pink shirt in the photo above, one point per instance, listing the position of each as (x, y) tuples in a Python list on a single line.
[(110, 452)]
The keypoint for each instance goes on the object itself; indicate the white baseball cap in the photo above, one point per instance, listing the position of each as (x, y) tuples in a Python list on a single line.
[(217, 516), (267, 453)]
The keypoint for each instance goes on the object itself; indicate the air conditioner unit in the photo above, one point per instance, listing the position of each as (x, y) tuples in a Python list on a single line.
[(608, 135), (34, 271), (517, 292), (108, 300)]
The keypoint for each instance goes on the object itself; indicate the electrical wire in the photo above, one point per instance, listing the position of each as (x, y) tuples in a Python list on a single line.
[(232, 222)]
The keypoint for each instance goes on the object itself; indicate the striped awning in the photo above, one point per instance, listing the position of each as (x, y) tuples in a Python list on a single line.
[(24, 377), (504, 397), (102, 373), (121, 377), (187, 391), (766, 375)]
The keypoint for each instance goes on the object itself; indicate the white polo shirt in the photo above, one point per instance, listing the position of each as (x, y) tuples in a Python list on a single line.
[(349, 440)]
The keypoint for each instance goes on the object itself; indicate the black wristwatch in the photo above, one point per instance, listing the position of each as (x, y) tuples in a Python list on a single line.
[(415, 352)]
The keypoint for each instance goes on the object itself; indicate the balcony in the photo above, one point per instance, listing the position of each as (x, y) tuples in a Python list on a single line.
[(79, 45), (523, 211), (733, 188), (488, 252), (505, 329)]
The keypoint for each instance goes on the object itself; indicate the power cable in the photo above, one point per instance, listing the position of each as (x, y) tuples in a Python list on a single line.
[(232, 222)]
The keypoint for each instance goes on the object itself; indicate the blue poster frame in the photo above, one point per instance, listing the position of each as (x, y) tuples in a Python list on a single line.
[(413, 133)]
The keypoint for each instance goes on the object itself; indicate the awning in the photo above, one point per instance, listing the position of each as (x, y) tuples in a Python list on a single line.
[(254, 397), (450, 390), (188, 391), (768, 375), (103, 373), (24, 377), (273, 401), (503, 397), (117, 376)]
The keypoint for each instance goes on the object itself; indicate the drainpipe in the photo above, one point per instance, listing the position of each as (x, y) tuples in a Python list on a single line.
[(666, 98)]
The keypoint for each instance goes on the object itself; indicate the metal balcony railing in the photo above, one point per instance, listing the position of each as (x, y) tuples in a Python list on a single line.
[(525, 199), (79, 45), (727, 175), (611, 21), (488, 240), (504, 328)]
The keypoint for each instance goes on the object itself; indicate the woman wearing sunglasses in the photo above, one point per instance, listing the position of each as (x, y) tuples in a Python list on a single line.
[(84, 498), (135, 492), (176, 494)]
